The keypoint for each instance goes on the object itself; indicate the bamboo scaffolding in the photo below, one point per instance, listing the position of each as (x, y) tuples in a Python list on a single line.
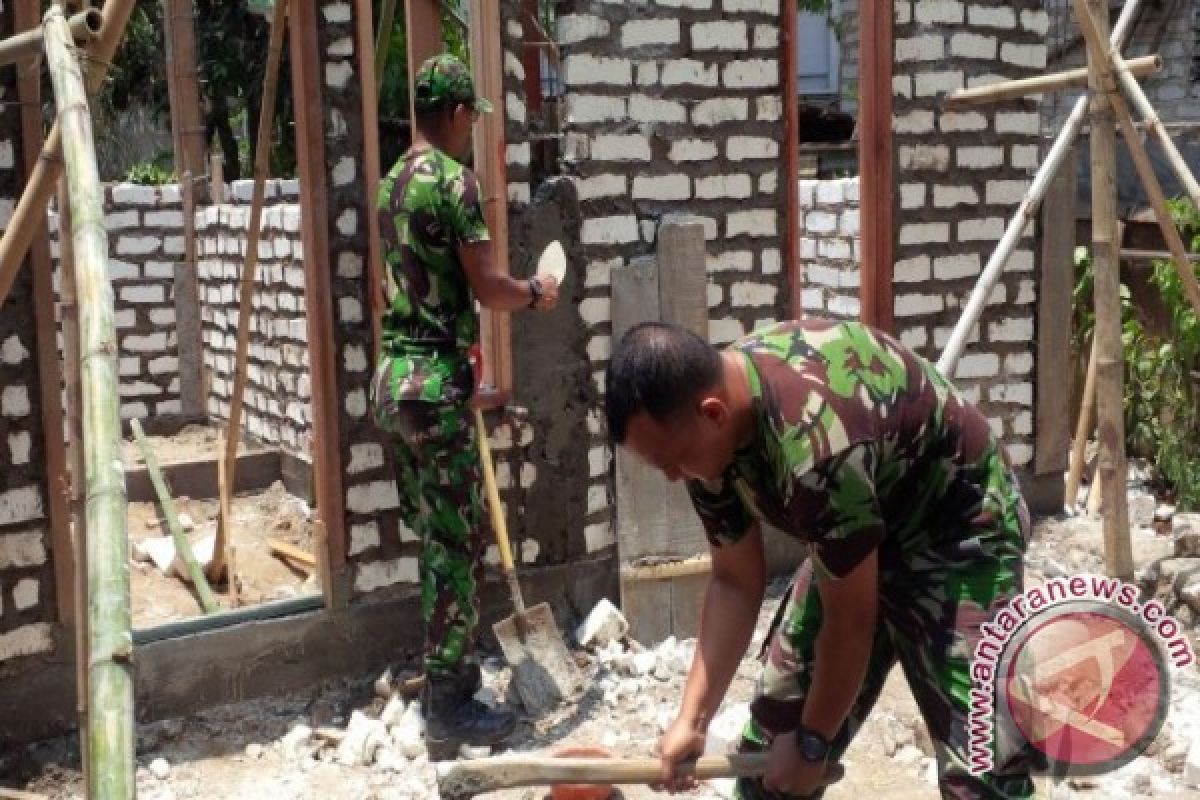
[(23, 224), (1026, 211), (1010, 90), (266, 119), (226, 513), (182, 545), (110, 731), (85, 27), (1112, 467), (1083, 431)]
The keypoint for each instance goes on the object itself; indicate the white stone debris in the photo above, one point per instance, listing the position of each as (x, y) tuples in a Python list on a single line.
[(1191, 766), (254, 751), (364, 736), (409, 733), (160, 769), (296, 743), (392, 711), (603, 625)]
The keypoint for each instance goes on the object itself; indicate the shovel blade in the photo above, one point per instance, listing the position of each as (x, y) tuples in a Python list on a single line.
[(542, 667)]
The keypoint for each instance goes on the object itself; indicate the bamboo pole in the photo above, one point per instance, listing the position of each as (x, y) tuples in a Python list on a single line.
[(1083, 430), (1055, 81), (182, 545), (1112, 468), (1141, 160), (1026, 211), (110, 730), (32, 205), (387, 17), (226, 513), (266, 119), (85, 27)]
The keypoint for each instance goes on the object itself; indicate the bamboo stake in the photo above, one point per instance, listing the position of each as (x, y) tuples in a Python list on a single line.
[(1095, 500), (1083, 430), (182, 545), (1141, 160), (1010, 90), (266, 120), (69, 309), (110, 730), (42, 178), (226, 513), (387, 17), (291, 553), (1026, 211), (85, 27), (1112, 468)]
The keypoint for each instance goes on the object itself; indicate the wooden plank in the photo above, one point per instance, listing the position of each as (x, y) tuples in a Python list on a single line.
[(877, 192), (423, 31), (791, 158), (1052, 415), (310, 159), (25, 17), (682, 280)]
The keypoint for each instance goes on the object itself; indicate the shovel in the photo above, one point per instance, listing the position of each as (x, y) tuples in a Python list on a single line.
[(543, 671)]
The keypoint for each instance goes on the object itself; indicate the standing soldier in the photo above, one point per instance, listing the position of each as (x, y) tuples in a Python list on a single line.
[(438, 258)]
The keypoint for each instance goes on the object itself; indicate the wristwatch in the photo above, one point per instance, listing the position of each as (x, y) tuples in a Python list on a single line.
[(813, 746), (535, 292)]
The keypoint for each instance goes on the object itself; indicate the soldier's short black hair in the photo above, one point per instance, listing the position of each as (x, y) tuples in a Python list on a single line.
[(657, 368)]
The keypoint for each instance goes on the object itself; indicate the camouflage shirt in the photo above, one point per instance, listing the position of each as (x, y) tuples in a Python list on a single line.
[(428, 206), (861, 444)]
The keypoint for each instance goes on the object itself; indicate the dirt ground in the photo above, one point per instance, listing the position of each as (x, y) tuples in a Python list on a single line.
[(267, 749), (270, 514)]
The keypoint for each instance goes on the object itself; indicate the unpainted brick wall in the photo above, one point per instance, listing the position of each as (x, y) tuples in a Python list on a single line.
[(959, 177), (829, 247), (277, 402)]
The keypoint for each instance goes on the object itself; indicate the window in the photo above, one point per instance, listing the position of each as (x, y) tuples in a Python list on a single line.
[(818, 54)]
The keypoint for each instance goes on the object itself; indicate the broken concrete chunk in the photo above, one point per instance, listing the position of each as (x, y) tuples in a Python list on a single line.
[(363, 737), (160, 550), (643, 663), (392, 711), (1187, 540), (160, 769), (409, 733), (295, 745), (604, 624)]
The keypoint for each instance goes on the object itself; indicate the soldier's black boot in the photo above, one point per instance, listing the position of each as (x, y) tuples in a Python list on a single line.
[(453, 717)]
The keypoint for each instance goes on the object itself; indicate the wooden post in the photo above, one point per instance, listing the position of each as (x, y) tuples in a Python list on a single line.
[(250, 274), (188, 325), (216, 177), (224, 493), (791, 158), (372, 167), (183, 89), (1112, 468), (111, 720), (423, 29), (1083, 431), (387, 18), (877, 188)]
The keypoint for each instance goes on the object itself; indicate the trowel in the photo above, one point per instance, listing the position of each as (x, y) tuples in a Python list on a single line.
[(553, 262)]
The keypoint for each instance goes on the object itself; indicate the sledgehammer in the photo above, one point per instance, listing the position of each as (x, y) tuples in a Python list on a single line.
[(461, 780)]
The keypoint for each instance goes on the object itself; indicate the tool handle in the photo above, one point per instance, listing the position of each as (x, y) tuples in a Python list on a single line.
[(462, 779), (494, 508)]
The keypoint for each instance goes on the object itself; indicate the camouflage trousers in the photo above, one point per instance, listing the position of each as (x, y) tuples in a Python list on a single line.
[(438, 473), (929, 622)]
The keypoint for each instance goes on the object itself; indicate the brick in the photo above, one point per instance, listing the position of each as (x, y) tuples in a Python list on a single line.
[(692, 150), (1017, 393), (973, 45), (583, 109), (1024, 156), (607, 185), (337, 13), (902, 86), (1011, 330), (662, 187), (137, 245), (24, 549), (935, 158), (736, 187), (647, 74), (621, 147), (699, 5), (1006, 192), (595, 310), (1020, 261), (598, 536), (951, 196), (979, 157), (820, 222), (378, 574), (1032, 56), (644, 108), (744, 148), (27, 640), (768, 108), (364, 457), (970, 230), (1036, 21), (911, 305), (12, 351), (991, 17), (914, 338), (912, 270), (513, 66), (642, 32), (14, 401), (718, 110), (928, 47), (731, 261), (599, 348), (688, 72), (575, 28), (147, 343), (725, 330), (133, 195), (758, 73), (978, 365), (770, 7), (747, 294), (143, 294), (924, 233), (19, 444), (721, 35), (1026, 122), (1018, 364), (751, 223), (938, 12), (120, 220), (772, 262), (912, 195), (6, 155), (22, 504), (768, 182), (962, 121), (25, 594), (848, 224), (915, 121), (363, 537), (954, 267), (584, 69), (766, 37), (834, 249)]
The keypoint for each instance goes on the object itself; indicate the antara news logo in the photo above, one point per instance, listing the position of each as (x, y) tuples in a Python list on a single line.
[(1077, 668)]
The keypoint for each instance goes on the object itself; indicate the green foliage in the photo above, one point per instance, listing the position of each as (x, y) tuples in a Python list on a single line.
[(154, 172), (393, 89), (1162, 373)]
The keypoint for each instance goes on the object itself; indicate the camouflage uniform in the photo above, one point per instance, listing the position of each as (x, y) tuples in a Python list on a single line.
[(861, 445), (428, 206)]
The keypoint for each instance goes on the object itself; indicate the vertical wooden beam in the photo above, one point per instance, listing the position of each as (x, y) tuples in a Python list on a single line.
[(25, 16), (1118, 556), (364, 47), (188, 325), (310, 159), (183, 89), (876, 183), (492, 169), (1052, 415), (423, 29), (791, 156)]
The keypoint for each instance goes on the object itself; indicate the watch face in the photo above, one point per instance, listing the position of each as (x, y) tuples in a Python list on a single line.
[(812, 748)]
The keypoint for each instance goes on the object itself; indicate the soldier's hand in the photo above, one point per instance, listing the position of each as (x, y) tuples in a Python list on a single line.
[(549, 298), (681, 742)]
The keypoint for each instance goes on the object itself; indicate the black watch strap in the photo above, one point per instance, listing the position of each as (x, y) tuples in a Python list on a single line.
[(813, 746), (535, 292)]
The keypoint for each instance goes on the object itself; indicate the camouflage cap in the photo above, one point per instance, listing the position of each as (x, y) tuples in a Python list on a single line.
[(442, 82)]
